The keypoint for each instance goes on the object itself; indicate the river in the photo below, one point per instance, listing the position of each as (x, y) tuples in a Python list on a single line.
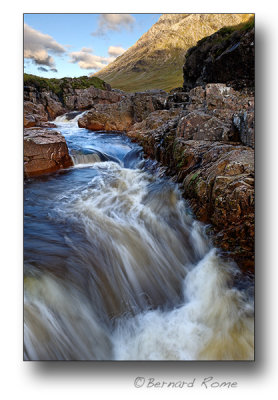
[(117, 268)]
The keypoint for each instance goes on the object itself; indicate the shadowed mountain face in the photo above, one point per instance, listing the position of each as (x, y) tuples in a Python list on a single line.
[(156, 60)]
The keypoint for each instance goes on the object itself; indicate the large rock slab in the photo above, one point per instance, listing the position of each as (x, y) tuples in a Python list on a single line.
[(122, 115), (45, 151), (112, 117)]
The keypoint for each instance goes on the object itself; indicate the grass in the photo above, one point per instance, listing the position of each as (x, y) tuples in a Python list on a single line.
[(58, 86), (244, 26), (164, 78)]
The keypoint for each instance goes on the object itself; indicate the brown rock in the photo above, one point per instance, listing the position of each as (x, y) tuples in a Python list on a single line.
[(216, 174), (122, 115), (34, 114), (108, 117), (83, 99), (45, 151), (198, 125)]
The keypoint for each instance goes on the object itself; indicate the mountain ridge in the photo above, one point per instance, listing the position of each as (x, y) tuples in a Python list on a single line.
[(156, 60)]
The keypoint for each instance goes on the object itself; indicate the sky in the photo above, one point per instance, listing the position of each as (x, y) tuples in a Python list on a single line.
[(72, 45)]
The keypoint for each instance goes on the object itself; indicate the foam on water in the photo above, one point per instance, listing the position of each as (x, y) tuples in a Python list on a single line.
[(119, 269)]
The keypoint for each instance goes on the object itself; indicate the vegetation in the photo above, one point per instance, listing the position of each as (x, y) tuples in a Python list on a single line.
[(58, 86), (156, 60), (244, 26), (223, 36)]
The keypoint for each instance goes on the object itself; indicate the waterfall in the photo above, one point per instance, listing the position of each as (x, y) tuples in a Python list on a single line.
[(117, 268)]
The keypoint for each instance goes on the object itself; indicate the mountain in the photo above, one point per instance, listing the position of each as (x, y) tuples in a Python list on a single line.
[(156, 60)]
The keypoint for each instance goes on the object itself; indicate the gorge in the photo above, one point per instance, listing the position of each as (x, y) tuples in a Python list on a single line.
[(139, 213)]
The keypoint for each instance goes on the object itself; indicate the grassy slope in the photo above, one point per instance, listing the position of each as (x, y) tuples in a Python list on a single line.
[(159, 54)]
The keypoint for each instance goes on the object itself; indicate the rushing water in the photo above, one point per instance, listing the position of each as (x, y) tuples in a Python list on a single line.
[(116, 268)]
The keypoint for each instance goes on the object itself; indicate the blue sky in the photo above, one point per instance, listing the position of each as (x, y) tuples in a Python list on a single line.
[(59, 45)]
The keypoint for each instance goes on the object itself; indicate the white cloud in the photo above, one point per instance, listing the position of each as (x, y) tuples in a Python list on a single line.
[(37, 46), (115, 51), (87, 60), (113, 22)]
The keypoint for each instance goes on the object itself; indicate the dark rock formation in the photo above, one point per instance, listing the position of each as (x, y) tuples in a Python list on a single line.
[(228, 56), (45, 151)]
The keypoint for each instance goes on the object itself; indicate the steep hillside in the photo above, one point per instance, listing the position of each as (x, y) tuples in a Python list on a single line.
[(156, 60)]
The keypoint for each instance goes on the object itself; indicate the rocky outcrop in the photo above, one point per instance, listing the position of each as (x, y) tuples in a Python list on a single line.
[(45, 151), (103, 117), (218, 180), (54, 97), (122, 115), (228, 56), (34, 114), (47, 102), (200, 144)]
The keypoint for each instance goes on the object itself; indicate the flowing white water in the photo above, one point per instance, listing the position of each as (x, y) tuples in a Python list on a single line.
[(120, 269)]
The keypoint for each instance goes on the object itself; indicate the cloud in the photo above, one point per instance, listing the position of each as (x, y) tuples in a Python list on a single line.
[(53, 69), (42, 69), (86, 60), (113, 22), (37, 45), (115, 51), (87, 49)]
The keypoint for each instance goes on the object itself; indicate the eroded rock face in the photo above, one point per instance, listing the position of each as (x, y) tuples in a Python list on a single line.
[(201, 144), (218, 179), (34, 114), (83, 99), (50, 104), (45, 151)]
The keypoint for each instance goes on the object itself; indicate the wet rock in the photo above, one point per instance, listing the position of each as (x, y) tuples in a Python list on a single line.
[(245, 123), (45, 151), (202, 147)]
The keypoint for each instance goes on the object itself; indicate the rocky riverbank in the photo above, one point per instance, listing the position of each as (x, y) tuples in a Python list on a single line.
[(46, 151), (202, 133)]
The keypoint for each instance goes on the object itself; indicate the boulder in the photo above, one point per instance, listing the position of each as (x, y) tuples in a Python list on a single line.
[(45, 151), (122, 115), (108, 117)]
